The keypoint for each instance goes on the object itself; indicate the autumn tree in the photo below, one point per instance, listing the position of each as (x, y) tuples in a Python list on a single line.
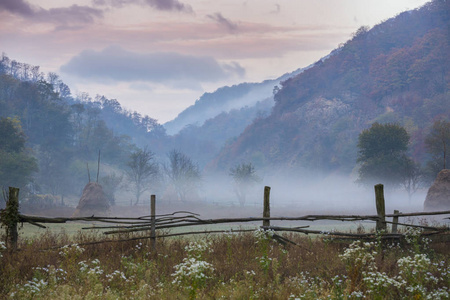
[(244, 176), (142, 170), (183, 174), (382, 154)]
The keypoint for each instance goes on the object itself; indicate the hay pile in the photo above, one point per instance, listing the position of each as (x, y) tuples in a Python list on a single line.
[(92, 202), (438, 196)]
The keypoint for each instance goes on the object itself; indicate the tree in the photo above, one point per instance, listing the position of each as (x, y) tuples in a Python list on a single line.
[(111, 183), (12, 138), (183, 174), (244, 176), (412, 178), (16, 164), (438, 144), (142, 169), (382, 154)]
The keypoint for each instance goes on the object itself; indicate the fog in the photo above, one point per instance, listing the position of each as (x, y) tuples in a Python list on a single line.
[(292, 194), (310, 193), (296, 195)]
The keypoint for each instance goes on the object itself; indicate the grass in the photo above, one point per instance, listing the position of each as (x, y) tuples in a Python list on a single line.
[(223, 266)]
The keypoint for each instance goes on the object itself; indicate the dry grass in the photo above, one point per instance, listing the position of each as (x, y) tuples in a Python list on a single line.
[(246, 266)]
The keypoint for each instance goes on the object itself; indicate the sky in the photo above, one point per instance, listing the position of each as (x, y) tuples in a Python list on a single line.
[(159, 56)]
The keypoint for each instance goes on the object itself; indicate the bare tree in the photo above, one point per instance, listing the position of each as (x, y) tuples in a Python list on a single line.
[(183, 174), (438, 142), (244, 176), (52, 78), (111, 184), (36, 74), (412, 178), (142, 169)]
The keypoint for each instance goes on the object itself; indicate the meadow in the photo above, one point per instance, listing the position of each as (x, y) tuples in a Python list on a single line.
[(251, 265)]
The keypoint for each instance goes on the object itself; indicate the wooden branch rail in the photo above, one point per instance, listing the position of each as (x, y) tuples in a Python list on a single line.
[(417, 214), (198, 221), (27, 218), (10, 216), (321, 232)]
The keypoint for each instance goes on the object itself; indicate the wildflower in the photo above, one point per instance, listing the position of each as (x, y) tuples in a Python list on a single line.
[(261, 234), (73, 249), (192, 272)]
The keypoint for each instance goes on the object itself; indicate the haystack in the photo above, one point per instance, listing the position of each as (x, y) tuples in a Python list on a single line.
[(438, 196), (92, 202)]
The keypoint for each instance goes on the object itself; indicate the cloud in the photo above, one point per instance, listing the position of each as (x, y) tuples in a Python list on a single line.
[(167, 5), (115, 64), (19, 7), (69, 15), (221, 20), (64, 16)]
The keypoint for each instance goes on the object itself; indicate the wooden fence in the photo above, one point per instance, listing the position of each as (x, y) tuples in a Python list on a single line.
[(10, 217)]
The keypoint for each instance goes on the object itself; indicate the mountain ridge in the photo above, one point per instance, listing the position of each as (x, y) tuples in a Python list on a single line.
[(398, 71), (225, 99)]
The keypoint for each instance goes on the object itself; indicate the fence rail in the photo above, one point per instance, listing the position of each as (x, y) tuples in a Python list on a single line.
[(10, 217)]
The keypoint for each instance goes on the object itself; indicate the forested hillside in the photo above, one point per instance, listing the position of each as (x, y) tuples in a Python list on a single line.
[(218, 118), (398, 72), (61, 132), (203, 143)]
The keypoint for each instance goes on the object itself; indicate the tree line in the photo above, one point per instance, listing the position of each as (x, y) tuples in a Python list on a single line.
[(383, 156), (47, 137), (55, 134)]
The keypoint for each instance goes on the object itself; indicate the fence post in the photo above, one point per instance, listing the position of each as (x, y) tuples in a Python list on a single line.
[(153, 221), (10, 218), (395, 222), (381, 211), (266, 212)]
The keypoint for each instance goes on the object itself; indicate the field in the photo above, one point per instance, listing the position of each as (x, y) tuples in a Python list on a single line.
[(253, 265)]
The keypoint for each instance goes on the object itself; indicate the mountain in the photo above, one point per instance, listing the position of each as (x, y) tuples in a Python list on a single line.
[(64, 133), (225, 99), (203, 143), (398, 71)]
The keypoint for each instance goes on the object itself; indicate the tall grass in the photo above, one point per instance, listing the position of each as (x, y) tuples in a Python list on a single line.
[(225, 266)]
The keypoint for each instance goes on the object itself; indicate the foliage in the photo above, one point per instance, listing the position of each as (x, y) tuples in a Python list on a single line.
[(183, 174), (382, 154), (65, 130), (382, 139), (16, 163), (244, 176), (142, 170)]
